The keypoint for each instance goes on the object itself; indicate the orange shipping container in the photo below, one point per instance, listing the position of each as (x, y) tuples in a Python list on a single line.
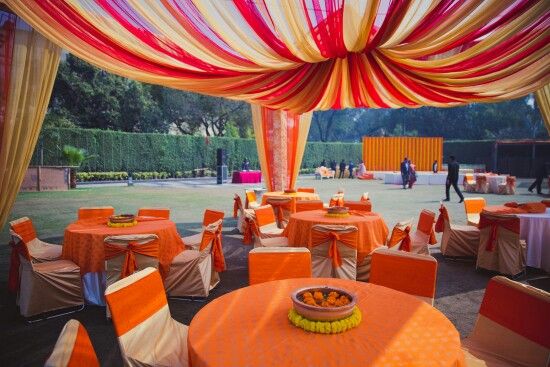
[(386, 153)]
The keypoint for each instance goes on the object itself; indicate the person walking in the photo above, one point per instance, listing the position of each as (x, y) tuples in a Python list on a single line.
[(405, 172), (452, 178), (342, 169), (412, 174), (540, 174), (351, 166)]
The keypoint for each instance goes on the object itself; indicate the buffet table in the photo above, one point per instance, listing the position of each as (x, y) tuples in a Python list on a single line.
[(250, 327), (246, 177)]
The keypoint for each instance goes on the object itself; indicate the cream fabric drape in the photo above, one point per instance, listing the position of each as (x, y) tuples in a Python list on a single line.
[(33, 70), (543, 102)]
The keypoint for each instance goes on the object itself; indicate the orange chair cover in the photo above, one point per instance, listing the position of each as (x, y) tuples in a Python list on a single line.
[(265, 215), (305, 205), (265, 267), (280, 206), (154, 212), (426, 225), (250, 198), (217, 251), (443, 216), (99, 212), (509, 223), (237, 205), (518, 311), (129, 267), (25, 231), (349, 239), (401, 235), (81, 348), (306, 189), (362, 205), (211, 216), (336, 201)]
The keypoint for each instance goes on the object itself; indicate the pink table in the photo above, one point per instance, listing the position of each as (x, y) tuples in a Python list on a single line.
[(247, 177)]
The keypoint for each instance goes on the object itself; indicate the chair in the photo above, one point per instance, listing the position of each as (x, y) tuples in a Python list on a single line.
[(500, 248), (473, 206), (469, 183), (457, 240), (305, 205), (363, 269), (260, 240), (251, 201), (508, 187), (363, 206), (277, 263), (424, 234), (511, 328), (192, 271), (364, 197), (334, 251), (147, 334), (400, 235), (482, 185), (47, 286), (239, 213), (73, 348), (210, 216), (406, 272), (265, 222), (306, 189), (283, 208), (154, 212), (336, 200), (95, 212), (126, 254)]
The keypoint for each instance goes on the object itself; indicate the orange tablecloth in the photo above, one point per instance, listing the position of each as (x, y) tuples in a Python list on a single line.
[(295, 195), (373, 231), (83, 241), (249, 327)]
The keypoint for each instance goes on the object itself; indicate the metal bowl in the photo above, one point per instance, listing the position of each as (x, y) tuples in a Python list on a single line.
[(122, 218), (318, 313)]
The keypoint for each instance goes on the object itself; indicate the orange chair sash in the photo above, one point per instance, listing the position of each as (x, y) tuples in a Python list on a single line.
[(17, 249), (217, 251), (443, 216), (129, 266), (401, 235), (248, 226), (319, 237), (237, 205), (25, 230), (511, 224)]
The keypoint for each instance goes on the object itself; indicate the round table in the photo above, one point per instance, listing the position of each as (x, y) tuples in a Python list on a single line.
[(250, 327), (294, 195), (83, 245), (372, 229)]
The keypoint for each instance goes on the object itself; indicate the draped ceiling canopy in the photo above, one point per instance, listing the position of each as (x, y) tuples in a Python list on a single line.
[(304, 55)]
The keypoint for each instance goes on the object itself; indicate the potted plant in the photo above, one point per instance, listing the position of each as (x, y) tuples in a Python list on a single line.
[(74, 156)]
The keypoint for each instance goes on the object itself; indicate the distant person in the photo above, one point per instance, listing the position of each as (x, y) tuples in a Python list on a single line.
[(540, 174), (324, 163), (361, 169), (435, 167), (412, 174), (333, 165), (246, 165), (452, 178), (405, 172), (351, 166), (342, 169)]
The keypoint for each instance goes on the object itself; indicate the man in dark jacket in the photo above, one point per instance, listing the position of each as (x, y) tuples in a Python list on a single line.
[(342, 169), (452, 178), (540, 174), (405, 170)]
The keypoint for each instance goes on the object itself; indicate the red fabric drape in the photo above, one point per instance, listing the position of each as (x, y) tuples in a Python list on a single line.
[(443, 216), (509, 223)]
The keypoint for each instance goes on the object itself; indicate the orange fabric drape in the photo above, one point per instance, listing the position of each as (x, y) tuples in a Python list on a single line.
[(129, 267), (217, 250), (443, 216), (386, 153), (401, 235), (248, 228), (509, 223), (319, 237), (237, 205)]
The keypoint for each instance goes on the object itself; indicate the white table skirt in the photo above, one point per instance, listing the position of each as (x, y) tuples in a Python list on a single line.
[(422, 178), (535, 230)]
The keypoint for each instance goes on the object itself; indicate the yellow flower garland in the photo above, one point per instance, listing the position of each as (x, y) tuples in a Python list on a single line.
[(122, 225), (337, 215), (326, 327)]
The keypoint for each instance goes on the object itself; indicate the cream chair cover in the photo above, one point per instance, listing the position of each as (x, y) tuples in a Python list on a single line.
[(363, 269), (469, 183), (512, 328), (283, 208), (457, 240), (47, 286), (473, 207), (191, 272), (22, 229), (421, 238), (210, 216), (334, 251), (147, 334), (115, 266), (407, 272), (505, 252), (264, 218), (276, 263), (73, 348)]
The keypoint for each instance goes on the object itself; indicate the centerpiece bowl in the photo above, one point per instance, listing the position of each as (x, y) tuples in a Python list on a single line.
[(122, 218), (323, 309)]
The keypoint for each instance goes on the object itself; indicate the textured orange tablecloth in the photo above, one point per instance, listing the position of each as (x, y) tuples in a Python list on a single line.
[(294, 195), (83, 241), (249, 327), (373, 231)]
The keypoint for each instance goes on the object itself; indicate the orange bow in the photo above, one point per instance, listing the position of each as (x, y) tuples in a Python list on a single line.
[(237, 204), (129, 266), (217, 251), (443, 216), (348, 239)]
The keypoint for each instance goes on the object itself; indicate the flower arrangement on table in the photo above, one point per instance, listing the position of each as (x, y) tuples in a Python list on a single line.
[(122, 221), (337, 212), (325, 327)]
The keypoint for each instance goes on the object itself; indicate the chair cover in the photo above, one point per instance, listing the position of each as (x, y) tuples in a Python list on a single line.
[(277, 263), (95, 212), (473, 206), (510, 185), (47, 286), (363, 269), (154, 212), (306, 189), (147, 334), (251, 201), (334, 251), (210, 216), (469, 183), (127, 253), (364, 206), (364, 197), (239, 213), (410, 273), (457, 240), (512, 328), (22, 230), (305, 205), (424, 234), (482, 186), (266, 222), (283, 208), (73, 348), (400, 235), (500, 248), (191, 272), (336, 200)]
